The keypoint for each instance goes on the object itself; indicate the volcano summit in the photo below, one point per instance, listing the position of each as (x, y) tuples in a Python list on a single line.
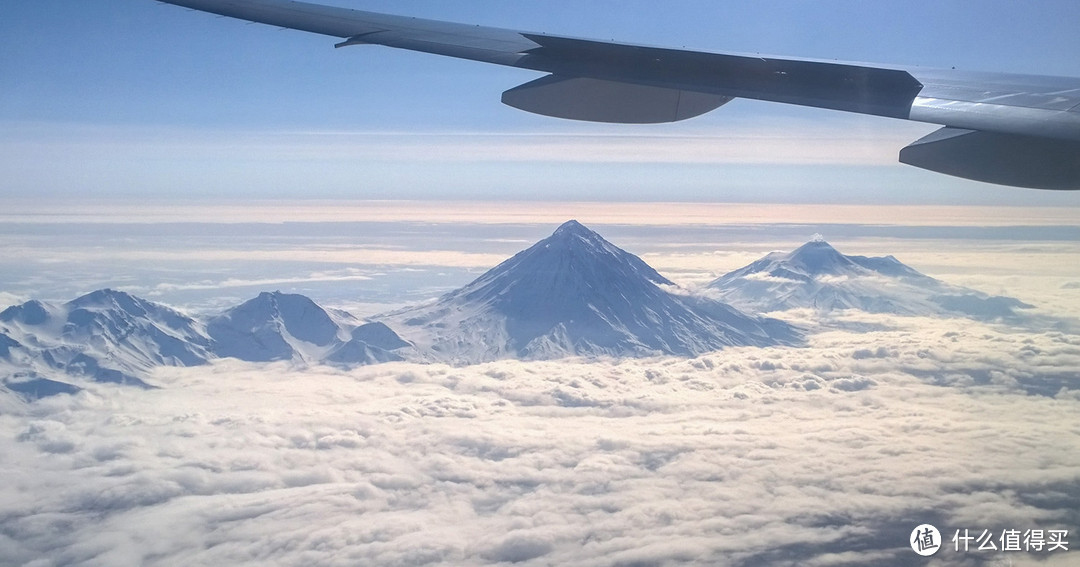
[(575, 293), (819, 277)]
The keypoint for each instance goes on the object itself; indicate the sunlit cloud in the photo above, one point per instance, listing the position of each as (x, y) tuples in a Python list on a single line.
[(783, 456), (266, 282), (747, 456)]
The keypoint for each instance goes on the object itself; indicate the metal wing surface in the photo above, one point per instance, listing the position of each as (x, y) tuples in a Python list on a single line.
[(1019, 130)]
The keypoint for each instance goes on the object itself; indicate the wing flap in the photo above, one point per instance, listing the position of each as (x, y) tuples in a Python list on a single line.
[(597, 100)]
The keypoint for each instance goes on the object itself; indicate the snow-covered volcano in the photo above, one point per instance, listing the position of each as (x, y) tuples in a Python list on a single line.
[(817, 276), (112, 336), (274, 326), (104, 336), (283, 326), (575, 293)]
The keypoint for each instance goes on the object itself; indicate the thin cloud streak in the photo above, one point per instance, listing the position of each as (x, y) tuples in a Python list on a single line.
[(150, 211), (800, 143), (358, 255)]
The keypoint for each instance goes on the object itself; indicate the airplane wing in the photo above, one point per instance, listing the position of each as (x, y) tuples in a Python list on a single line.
[(1019, 130)]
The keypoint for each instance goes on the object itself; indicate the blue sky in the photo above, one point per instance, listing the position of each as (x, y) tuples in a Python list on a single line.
[(131, 98)]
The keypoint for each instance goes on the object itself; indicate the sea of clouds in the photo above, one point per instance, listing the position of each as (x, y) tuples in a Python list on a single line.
[(828, 454), (824, 455)]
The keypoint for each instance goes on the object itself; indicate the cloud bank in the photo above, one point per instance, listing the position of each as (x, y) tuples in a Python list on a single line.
[(827, 455)]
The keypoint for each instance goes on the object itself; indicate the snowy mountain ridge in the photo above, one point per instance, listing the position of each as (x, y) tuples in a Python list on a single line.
[(104, 336), (819, 277), (112, 336)]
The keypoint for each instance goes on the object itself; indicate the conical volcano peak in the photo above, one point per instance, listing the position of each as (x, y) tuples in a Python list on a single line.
[(818, 242), (575, 293), (574, 236), (818, 256), (574, 228)]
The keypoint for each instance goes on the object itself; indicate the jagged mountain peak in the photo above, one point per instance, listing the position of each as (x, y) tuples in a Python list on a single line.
[(110, 299), (275, 298), (275, 304), (103, 296), (104, 336), (267, 327), (32, 312), (113, 336), (92, 309)]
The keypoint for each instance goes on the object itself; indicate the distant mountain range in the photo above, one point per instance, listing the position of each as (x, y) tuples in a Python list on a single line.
[(111, 336), (104, 336), (571, 294), (819, 277)]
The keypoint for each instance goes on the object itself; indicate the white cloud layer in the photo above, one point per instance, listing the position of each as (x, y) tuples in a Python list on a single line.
[(826, 455)]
